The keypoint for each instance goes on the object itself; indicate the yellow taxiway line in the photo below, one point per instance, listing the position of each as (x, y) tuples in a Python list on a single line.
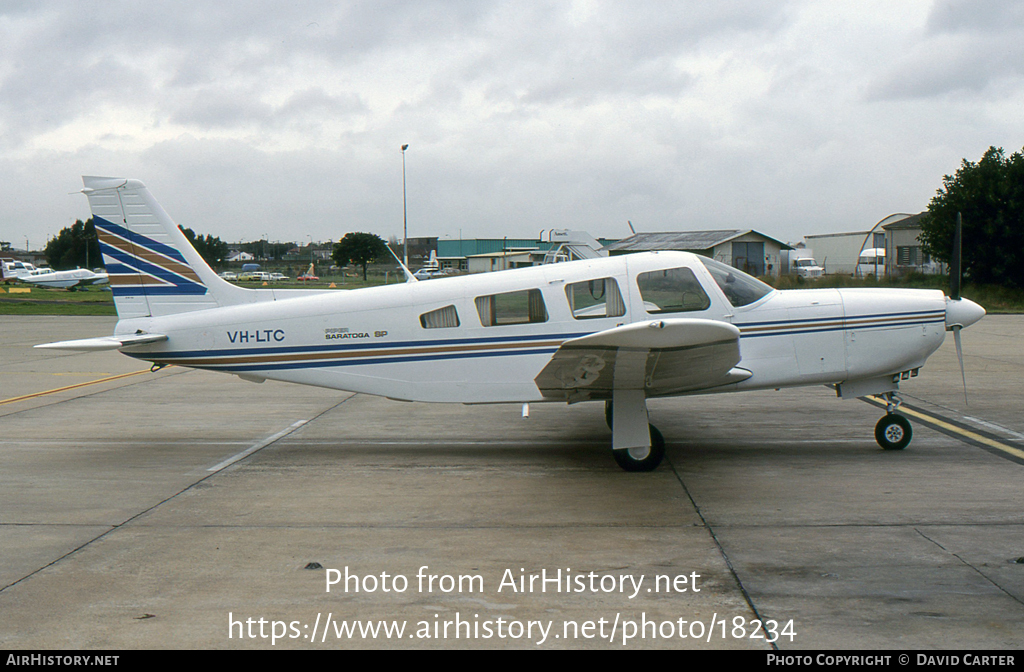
[(70, 387), (992, 443), (949, 428)]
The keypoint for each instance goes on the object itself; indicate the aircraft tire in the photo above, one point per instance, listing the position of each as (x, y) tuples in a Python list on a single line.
[(893, 432), (650, 462)]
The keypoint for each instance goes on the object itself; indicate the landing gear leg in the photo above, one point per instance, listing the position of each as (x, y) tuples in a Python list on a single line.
[(893, 432), (892, 402), (637, 445)]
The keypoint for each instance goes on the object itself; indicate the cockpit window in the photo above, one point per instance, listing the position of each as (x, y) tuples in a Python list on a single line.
[(673, 290), (740, 288)]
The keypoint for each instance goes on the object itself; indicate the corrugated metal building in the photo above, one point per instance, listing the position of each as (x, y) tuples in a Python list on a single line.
[(749, 250), (455, 254)]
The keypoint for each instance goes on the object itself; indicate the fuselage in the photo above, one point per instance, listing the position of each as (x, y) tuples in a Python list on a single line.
[(484, 338)]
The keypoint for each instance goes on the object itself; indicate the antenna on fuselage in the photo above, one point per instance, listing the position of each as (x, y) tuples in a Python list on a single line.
[(409, 277)]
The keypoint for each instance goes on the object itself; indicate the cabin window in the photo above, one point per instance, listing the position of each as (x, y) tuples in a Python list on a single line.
[(521, 307), (442, 318), (595, 298), (673, 290), (740, 288)]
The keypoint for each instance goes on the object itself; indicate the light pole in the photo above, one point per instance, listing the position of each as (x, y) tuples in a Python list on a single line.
[(405, 215)]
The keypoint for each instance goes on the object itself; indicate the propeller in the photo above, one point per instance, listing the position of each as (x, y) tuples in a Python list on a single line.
[(964, 312), (960, 356)]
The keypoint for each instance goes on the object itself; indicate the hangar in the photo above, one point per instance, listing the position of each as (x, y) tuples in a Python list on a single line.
[(750, 251)]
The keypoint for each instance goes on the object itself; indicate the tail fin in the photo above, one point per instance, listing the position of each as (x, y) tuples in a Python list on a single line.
[(153, 269)]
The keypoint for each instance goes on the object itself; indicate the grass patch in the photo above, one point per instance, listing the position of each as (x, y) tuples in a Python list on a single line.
[(100, 301), (993, 298), (43, 301)]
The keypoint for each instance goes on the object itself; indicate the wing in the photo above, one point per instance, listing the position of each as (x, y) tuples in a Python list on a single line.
[(663, 357)]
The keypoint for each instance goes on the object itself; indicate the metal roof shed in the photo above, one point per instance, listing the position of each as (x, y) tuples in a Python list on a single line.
[(748, 250)]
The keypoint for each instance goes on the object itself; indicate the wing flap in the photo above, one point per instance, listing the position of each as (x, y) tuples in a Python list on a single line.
[(661, 357)]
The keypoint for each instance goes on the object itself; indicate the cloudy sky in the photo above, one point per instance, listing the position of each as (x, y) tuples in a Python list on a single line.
[(284, 119)]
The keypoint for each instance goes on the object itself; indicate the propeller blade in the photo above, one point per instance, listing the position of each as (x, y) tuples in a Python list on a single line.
[(960, 356), (954, 263)]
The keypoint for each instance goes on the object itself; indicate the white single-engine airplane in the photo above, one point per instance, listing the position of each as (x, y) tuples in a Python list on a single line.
[(618, 329), (78, 277)]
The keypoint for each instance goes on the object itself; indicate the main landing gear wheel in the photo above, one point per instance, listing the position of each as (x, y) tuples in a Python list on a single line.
[(642, 459), (893, 432)]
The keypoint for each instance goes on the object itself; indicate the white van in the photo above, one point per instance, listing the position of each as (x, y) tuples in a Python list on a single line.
[(808, 268), (871, 262)]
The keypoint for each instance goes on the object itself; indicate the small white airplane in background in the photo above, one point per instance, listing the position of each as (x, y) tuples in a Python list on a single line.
[(615, 329), (12, 269), (79, 277)]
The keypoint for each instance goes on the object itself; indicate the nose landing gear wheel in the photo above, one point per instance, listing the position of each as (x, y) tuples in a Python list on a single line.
[(642, 459), (893, 432)]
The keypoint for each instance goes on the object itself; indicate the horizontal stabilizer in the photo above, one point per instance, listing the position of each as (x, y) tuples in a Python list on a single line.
[(104, 343)]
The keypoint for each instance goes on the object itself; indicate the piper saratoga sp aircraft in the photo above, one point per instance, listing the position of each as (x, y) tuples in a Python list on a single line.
[(619, 330)]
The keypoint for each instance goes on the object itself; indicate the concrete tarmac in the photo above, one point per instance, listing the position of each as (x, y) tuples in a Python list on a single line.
[(192, 510)]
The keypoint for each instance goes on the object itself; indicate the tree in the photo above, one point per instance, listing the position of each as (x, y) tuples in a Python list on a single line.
[(990, 196), (76, 246), (360, 248), (211, 248)]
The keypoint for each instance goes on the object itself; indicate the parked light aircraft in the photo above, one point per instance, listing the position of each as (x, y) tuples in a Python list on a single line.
[(79, 277), (615, 329), (11, 269)]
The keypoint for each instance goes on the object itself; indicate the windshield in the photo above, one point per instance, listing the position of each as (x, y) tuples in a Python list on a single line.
[(740, 288)]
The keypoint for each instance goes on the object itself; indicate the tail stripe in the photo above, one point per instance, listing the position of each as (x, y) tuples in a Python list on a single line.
[(150, 250), (136, 261), (139, 239)]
